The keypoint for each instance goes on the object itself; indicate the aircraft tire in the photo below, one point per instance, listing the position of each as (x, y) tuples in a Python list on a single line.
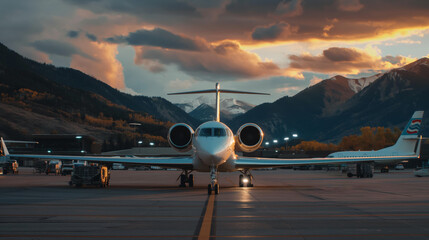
[(240, 181), (216, 189), (182, 180), (249, 184), (209, 189), (191, 180)]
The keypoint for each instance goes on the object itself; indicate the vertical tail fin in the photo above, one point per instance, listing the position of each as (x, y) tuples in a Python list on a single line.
[(217, 90), (4, 153), (410, 135)]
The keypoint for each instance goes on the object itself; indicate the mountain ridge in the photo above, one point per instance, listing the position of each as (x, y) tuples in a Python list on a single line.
[(45, 90), (158, 107), (330, 109)]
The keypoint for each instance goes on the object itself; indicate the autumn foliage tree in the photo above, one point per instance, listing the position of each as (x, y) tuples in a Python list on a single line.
[(371, 138)]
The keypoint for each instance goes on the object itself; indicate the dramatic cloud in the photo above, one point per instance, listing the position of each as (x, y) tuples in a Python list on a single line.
[(252, 8), (107, 68), (58, 48), (73, 34), (397, 61), (234, 40), (91, 37), (289, 9), (159, 38), (350, 5), (288, 89), (315, 80), (280, 30), (225, 60), (345, 61), (247, 20), (140, 8)]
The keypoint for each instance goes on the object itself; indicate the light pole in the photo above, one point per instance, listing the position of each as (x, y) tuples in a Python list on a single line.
[(286, 140), (134, 125)]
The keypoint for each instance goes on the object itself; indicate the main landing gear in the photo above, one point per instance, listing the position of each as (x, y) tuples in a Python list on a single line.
[(186, 177), (214, 185), (245, 179)]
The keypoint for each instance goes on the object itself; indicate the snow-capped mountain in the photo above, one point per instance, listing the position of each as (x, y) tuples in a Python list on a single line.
[(203, 107), (358, 84), (340, 106)]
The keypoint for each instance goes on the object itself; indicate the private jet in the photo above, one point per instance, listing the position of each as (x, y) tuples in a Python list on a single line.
[(214, 147)]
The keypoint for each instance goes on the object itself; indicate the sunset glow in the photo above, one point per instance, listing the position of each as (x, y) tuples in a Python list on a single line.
[(277, 46)]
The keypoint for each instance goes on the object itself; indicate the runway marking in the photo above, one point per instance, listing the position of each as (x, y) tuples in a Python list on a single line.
[(56, 236), (293, 236), (206, 225)]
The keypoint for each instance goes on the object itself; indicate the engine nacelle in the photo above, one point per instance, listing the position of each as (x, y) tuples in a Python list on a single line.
[(180, 137), (249, 137)]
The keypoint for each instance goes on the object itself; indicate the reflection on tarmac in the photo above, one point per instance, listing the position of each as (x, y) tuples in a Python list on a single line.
[(284, 204)]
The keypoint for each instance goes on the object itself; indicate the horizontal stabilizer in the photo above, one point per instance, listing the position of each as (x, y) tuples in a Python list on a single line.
[(220, 90), (15, 141)]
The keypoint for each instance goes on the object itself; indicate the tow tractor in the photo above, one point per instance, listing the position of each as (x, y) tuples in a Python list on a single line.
[(95, 175), (10, 166), (361, 170)]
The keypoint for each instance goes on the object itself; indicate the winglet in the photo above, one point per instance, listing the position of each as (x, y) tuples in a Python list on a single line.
[(3, 150)]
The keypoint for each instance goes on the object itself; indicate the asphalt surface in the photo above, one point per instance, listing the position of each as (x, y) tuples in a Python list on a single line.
[(284, 204)]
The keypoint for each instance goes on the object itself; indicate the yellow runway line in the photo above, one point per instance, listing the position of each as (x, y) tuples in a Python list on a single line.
[(207, 221)]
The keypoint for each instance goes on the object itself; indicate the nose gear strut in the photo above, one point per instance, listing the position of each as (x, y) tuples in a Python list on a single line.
[(214, 185)]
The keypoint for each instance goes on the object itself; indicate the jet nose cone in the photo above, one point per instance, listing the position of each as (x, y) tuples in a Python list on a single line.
[(213, 154)]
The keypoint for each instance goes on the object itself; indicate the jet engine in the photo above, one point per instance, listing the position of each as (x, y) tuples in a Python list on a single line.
[(249, 137), (180, 137)]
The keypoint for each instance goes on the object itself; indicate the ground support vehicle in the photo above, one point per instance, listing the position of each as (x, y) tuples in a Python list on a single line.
[(90, 175), (10, 166), (66, 167), (361, 170), (40, 167), (54, 166)]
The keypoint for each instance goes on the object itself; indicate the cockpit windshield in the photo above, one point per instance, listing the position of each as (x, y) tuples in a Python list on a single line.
[(212, 132), (219, 132), (205, 132)]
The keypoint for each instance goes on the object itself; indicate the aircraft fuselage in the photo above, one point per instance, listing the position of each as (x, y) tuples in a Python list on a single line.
[(214, 146)]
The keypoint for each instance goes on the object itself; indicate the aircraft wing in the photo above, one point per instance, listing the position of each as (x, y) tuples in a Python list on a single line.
[(253, 163), (173, 162)]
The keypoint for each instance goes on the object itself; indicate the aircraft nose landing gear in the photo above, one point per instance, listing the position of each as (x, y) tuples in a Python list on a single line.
[(214, 185)]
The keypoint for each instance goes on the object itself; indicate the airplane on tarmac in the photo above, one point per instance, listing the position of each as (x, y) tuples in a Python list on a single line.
[(214, 144)]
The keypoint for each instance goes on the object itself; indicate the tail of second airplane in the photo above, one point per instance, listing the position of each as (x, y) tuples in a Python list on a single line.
[(4, 153), (409, 141), (3, 150)]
